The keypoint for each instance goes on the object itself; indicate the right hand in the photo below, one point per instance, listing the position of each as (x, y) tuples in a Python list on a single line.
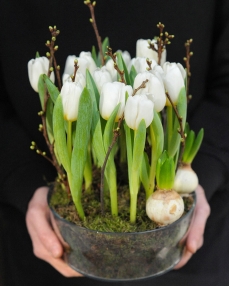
[(46, 244)]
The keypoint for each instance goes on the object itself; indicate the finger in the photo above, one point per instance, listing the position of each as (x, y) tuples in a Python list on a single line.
[(185, 258), (195, 237)]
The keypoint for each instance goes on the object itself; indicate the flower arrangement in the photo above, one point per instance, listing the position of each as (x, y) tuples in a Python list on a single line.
[(114, 110)]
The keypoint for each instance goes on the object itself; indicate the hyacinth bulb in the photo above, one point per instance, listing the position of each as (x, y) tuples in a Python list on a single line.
[(37, 67), (164, 207), (186, 180), (138, 107)]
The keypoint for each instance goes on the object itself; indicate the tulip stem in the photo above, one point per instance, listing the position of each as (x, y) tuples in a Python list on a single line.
[(69, 138)]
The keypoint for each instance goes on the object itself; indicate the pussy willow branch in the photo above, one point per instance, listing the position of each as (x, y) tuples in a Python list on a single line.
[(52, 60), (188, 67), (91, 6), (113, 57), (51, 145), (162, 40), (180, 131)]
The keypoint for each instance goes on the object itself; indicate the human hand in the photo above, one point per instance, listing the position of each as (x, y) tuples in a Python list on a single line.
[(195, 238), (46, 244)]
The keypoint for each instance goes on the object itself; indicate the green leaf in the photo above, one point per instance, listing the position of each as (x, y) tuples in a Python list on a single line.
[(108, 131), (60, 135), (144, 171), (94, 55), (196, 146), (133, 74), (138, 148), (91, 86), (52, 89), (129, 147), (165, 173), (188, 145), (96, 129), (81, 141), (175, 140), (49, 120), (122, 67), (41, 90)]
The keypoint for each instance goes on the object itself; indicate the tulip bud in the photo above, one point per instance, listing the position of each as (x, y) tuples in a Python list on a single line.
[(111, 95), (101, 76), (79, 78), (69, 67), (154, 89), (37, 67), (85, 61), (173, 80), (70, 94), (110, 67), (138, 107), (143, 50)]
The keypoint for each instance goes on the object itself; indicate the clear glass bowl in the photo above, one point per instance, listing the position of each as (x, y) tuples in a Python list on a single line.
[(123, 256)]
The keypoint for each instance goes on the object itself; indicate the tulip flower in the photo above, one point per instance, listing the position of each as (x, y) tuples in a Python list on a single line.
[(138, 107), (143, 50), (110, 67), (79, 78), (111, 95), (37, 67), (70, 94), (173, 80), (101, 76), (140, 64), (85, 61), (154, 89)]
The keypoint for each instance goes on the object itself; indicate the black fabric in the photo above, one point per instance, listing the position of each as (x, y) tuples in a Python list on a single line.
[(24, 30)]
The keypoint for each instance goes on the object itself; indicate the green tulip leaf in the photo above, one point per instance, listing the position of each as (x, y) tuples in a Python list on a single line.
[(91, 86), (132, 76), (108, 131), (52, 89), (165, 172), (80, 144), (144, 171), (188, 145), (138, 148), (41, 90), (60, 135), (196, 146), (49, 120), (122, 67), (94, 55)]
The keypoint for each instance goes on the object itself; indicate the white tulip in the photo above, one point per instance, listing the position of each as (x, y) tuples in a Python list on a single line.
[(140, 64), (143, 50), (70, 94), (173, 80), (37, 67), (85, 61), (111, 95), (101, 76), (154, 89), (79, 78), (110, 67), (69, 67), (126, 56), (138, 107)]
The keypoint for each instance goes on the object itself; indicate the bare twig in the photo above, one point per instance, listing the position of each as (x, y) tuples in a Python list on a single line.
[(180, 130), (113, 57), (188, 67), (91, 6)]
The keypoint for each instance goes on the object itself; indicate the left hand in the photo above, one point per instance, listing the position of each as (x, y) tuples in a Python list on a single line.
[(195, 236)]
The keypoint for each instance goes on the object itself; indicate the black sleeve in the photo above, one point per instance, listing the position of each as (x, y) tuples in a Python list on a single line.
[(212, 113), (21, 169)]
